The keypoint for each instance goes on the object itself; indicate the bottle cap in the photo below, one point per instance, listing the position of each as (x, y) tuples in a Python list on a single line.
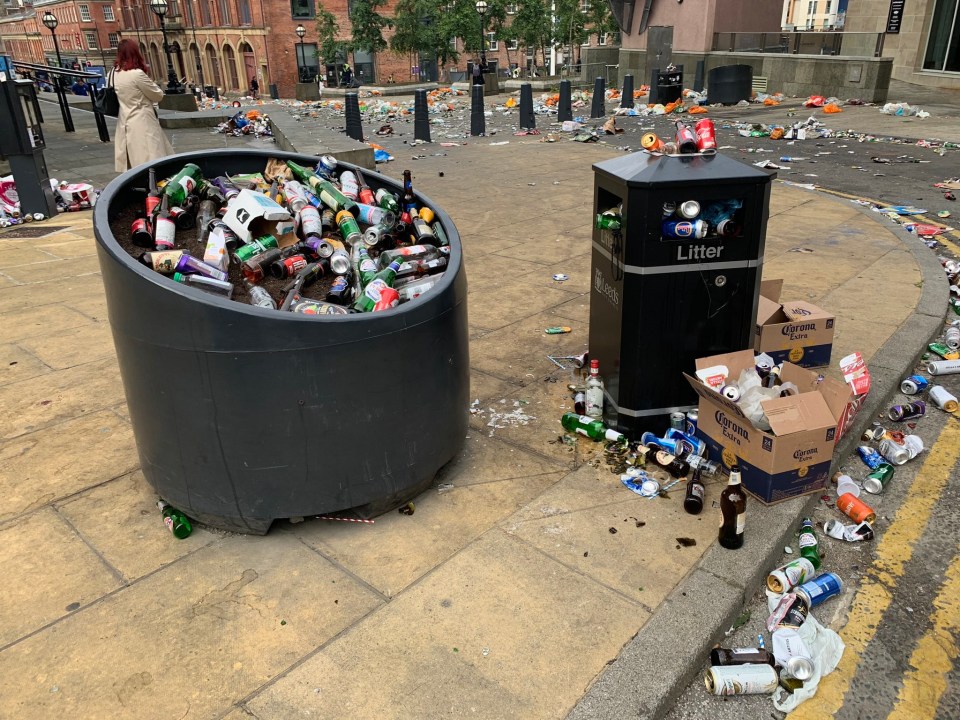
[(178, 277)]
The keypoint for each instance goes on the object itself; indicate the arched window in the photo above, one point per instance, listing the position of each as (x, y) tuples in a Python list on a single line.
[(230, 62), (214, 62)]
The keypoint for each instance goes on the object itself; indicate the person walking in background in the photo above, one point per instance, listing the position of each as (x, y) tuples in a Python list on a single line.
[(139, 138), (254, 88)]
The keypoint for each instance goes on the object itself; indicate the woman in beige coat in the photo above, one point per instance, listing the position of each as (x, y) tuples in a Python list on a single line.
[(139, 138)]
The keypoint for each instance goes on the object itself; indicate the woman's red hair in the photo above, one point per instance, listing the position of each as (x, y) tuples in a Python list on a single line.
[(129, 57)]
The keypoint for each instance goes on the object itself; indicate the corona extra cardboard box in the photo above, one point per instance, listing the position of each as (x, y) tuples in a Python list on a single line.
[(795, 331), (794, 457)]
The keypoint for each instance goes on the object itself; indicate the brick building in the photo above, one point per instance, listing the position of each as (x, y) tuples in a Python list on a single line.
[(225, 43), (87, 32)]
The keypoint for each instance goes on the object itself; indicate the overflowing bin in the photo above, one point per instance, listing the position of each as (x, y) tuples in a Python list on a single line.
[(675, 278), (243, 414)]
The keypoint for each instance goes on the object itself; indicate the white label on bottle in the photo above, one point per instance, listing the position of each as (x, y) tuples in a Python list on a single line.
[(808, 540), (697, 491), (594, 402), (741, 523), (586, 419), (373, 289), (664, 458), (744, 651), (188, 184), (583, 431), (165, 233)]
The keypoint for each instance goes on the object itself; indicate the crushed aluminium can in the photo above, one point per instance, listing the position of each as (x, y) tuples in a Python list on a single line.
[(741, 680), (910, 411), (914, 385)]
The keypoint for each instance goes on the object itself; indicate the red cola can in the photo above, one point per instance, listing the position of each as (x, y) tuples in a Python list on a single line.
[(288, 267), (706, 134)]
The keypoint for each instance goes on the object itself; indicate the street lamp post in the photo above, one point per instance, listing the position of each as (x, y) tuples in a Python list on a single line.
[(482, 11), (196, 45), (51, 22), (159, 8), (300, 31)]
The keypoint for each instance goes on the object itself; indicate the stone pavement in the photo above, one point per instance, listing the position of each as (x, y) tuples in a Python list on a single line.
[(504, 597)]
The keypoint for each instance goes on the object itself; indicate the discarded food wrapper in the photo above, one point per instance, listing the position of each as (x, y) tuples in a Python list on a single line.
[(558, 330), (714, 376), (902, 210), (645, 486), (560, 277)]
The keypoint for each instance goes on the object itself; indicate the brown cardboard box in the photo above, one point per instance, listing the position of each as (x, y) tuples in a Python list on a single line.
[(794, 331), (794, 458)]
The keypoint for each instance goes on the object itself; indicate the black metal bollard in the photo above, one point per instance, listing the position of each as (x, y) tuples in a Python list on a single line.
[(598, 109), (421, 117), (478, 123), (354, 128), (527, 120), (564, 111), (626, 97)]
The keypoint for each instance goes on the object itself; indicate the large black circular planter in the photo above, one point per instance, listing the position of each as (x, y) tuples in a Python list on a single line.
[(243, 415)]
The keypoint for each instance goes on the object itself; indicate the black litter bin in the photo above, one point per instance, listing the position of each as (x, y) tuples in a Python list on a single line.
[(243, 415), (662, 297), (729, 84), (669, 86), (211, 91)]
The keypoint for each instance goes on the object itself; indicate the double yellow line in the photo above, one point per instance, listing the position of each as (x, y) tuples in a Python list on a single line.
[(934, 654)]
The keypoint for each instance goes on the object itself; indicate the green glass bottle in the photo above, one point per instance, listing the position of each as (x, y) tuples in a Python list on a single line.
[(593, 429), (324, 189), (809, 545), (176, 522), (388, 201), (366, 266), (371, 293), (182, 184)]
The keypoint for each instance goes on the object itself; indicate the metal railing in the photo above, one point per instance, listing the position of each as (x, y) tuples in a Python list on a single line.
[(60, 75), (862, 44)]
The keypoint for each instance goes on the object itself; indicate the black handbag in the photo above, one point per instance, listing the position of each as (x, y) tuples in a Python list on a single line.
[(105, 99)]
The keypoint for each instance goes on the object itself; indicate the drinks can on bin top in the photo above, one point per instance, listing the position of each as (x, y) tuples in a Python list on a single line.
[(706, 134)]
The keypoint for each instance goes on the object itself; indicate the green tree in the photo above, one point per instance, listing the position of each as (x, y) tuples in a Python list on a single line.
[(599, 19), (532, 26), (570, 26), (329, 45), (424, 29), (367, 26)]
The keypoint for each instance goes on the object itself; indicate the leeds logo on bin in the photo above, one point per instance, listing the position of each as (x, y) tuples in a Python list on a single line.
[(606, 289)]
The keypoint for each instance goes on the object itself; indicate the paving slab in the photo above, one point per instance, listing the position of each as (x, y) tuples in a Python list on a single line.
[(40, 467), (499, 631), (192, 639)]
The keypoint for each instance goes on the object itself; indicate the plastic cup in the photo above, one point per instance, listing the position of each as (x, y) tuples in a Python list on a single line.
[(845, 484)]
